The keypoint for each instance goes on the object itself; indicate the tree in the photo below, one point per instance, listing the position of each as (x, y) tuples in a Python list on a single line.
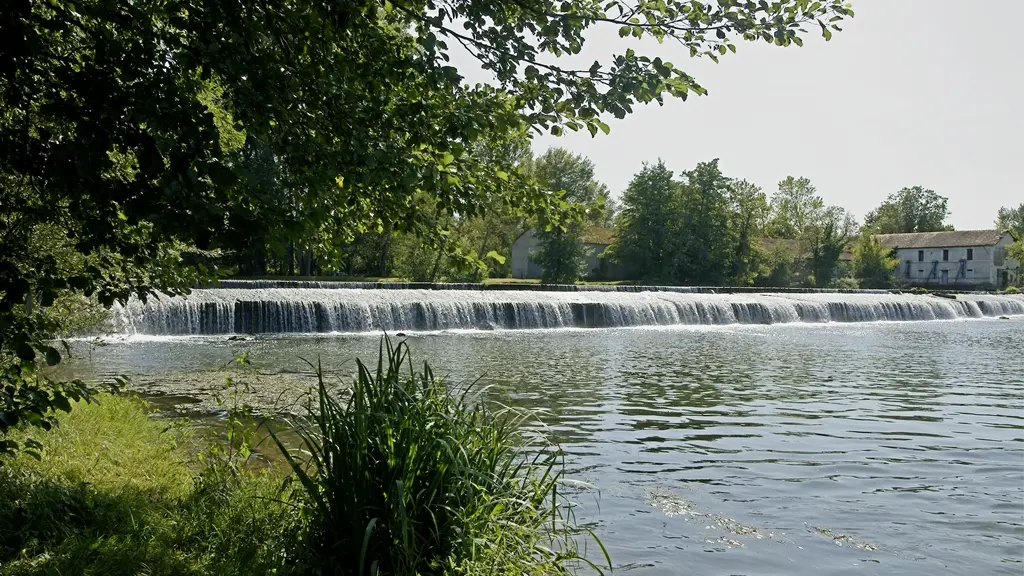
[(778, 268), (874, 265), (826, 236), (114, 114), (913, 209), (644, 243), (705, 255), (1012, 220), (792, 208), (562, 252), (748, 218), (605, 209), (823, 232)]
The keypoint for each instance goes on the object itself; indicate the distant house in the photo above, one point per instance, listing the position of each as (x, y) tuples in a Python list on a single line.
[(968, 258), (597, 240)]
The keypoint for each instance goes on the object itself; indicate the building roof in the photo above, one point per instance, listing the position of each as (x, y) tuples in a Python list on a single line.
[(793, 247), (598, 235), (592, 235), (943, 239), (770, 244)]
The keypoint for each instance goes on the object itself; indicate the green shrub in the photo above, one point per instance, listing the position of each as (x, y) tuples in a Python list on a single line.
[(845, 283), (76, 315), (1012, 290), (407, 476), (918, 290), (404, 477), (114, 493)]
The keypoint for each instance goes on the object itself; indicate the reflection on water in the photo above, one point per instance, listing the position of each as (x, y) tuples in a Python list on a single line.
[(839, 449)]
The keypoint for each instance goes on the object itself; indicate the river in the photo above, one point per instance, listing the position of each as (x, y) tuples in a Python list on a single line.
[(810, 449)]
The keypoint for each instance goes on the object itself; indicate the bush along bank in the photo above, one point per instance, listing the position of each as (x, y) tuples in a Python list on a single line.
[(404, 475)]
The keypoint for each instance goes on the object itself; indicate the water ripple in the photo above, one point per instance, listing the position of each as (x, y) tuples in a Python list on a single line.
[(807, 450)]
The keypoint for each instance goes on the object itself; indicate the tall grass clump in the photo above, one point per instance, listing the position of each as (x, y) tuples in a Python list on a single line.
[(409, 476)]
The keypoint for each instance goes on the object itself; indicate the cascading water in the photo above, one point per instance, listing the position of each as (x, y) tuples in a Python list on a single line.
[(255, 310)]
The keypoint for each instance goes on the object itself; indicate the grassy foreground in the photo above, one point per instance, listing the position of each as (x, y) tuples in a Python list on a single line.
[(403, 476), (116, 492)]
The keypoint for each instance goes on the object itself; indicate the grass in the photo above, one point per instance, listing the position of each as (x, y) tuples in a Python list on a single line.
[(408, 476), (403, 476), (115, 493)]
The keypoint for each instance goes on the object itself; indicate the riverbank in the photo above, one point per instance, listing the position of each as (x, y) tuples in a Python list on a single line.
[(426, 484), (119, 492), (394, 283)]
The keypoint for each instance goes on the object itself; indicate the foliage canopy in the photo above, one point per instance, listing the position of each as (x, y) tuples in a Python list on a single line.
[(914, 209), (157, 135), (874, 265)]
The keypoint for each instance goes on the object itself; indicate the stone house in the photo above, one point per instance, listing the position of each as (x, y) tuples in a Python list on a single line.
[(961, 258)]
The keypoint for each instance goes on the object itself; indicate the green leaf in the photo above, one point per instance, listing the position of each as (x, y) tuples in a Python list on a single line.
[(604, 127), (625, 31), (221, 175), (46, 298), (502, 174), (496, 257), (825, 32), (52, 356), (8, 419), (61, 402), (25, 351)]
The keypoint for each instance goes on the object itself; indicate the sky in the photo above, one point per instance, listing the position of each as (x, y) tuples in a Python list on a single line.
[(911, 92)]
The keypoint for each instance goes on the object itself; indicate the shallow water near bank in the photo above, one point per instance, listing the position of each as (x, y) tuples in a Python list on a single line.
[(806, 449)]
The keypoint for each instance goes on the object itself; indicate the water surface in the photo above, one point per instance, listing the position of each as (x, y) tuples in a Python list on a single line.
[(874, 448)]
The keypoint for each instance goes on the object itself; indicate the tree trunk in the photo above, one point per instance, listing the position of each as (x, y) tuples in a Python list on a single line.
[(440, 254), (487, 236), (382, 266), (437, 262), (305, 263)]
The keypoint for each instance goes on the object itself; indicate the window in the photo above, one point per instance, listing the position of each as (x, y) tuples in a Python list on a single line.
[(920, 255), (945, 255), (970, 253)]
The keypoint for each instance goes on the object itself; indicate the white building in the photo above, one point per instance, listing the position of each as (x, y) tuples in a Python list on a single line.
[(596, 238), (968, 258)]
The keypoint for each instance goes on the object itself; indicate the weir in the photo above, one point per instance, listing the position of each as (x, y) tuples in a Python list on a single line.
[(254, 309), (519, 287)]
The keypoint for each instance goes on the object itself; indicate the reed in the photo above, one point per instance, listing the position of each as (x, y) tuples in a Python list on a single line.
[(408, 475)]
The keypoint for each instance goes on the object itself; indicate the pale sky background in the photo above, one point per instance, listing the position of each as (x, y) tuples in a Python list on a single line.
[(912, 92)]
